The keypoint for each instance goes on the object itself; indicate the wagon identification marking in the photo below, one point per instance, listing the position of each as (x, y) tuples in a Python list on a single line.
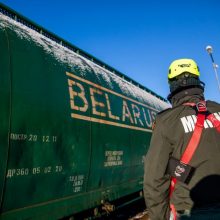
[(113, 158), (77, 182), (35, 171), (92, 102)]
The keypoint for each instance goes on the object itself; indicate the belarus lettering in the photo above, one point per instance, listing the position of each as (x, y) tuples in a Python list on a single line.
[(92, 102)]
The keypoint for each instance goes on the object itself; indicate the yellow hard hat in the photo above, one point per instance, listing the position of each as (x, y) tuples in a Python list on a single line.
[(180, 66)]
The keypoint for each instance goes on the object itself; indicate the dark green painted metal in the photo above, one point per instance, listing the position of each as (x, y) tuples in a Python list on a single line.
[(59, 158), (4, 107), (20, 18)]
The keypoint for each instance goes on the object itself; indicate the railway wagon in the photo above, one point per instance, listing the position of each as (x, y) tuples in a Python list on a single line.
[(73, 129)]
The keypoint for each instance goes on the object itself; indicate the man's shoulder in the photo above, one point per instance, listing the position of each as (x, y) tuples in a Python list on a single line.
[(168, 112), (164, 112), (213, 106), (212, 103), (170, 116)]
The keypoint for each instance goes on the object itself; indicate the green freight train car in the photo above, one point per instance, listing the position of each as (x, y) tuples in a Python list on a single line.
[(73, 130)]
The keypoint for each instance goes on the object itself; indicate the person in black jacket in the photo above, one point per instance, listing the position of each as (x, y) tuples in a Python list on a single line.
[(199, 196)]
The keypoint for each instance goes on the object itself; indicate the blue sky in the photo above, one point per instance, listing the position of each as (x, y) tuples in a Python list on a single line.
[(139, 38)]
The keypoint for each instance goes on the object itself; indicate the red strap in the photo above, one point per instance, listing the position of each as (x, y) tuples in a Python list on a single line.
[(215, 121), (173, 211), (194, 141), (190, 150), (202, 108), (188, 153), (172, 185), (191, 147)]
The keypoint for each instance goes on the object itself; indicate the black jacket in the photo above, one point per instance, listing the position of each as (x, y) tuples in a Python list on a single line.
[(172, 132)]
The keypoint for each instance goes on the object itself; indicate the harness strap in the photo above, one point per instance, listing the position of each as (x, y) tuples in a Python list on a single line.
[(173, 212), (172, 185), (194, 141), (215, 121), (210, 117), (191, 147)]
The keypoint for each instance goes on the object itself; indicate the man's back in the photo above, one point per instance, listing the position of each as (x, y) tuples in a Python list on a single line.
[(175, 131), (172, 133)]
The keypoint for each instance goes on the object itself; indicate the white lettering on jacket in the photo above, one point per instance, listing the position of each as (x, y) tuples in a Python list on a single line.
[(189, 122)]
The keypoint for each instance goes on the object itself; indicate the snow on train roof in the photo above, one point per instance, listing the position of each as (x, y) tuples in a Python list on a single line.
[(65, 55)]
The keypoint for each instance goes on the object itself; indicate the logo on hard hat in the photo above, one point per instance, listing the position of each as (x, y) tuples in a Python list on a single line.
[(184, 65)]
